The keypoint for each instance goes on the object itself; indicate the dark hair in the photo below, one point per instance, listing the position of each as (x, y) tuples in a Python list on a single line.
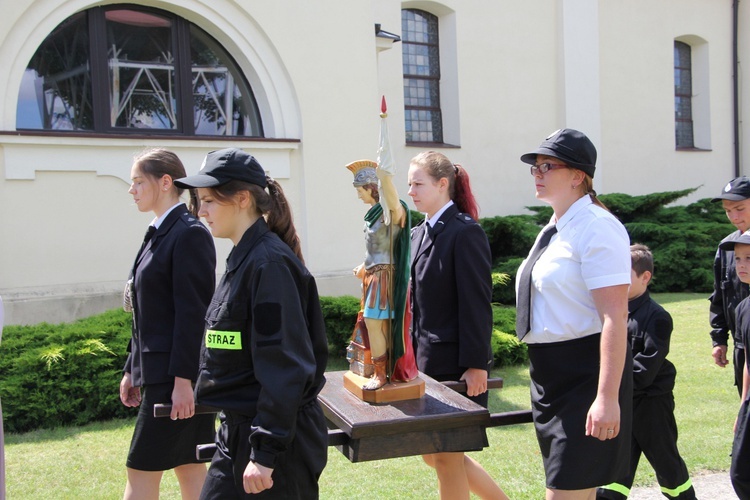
[(272, 204), (641, 259), (438, 166), (374, 191), (158, 162)]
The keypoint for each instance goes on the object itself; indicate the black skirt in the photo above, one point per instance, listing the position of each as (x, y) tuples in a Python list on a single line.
[(162, 443), (564, 380)]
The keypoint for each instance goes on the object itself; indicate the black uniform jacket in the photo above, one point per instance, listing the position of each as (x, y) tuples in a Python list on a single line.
[(649, 332), (743, 324), (451, 280), (175, 275), (265, 348), (728, 292)]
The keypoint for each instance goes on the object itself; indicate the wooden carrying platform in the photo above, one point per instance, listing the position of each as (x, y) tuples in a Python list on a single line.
[(440, 421)]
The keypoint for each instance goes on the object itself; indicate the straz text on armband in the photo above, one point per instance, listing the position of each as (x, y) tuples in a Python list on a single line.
[(223, 340)]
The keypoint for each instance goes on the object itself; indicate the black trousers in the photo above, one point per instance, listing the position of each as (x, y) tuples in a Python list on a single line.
[(739, 471), (738, 362), (655, 436), (297, 469)]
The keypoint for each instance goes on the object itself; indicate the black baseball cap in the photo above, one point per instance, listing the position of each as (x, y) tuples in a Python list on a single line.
[(225, 165), (737, 189), (744, 239), (568, 145)]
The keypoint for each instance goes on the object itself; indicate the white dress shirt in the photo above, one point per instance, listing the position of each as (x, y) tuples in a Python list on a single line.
[(158, 220), (590, 250), (435, 218)]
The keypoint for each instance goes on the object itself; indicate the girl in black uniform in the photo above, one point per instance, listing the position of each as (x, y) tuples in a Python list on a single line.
[(265, 348), (169, 290), (451, 285)]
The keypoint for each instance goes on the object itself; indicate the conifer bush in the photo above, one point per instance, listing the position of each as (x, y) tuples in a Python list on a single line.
[(69, 373), (340, 315), (682, 238), (65, 374), (507, 350)]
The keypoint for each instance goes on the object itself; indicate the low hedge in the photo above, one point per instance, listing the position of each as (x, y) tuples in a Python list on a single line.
[(65, 374), (69, 373)]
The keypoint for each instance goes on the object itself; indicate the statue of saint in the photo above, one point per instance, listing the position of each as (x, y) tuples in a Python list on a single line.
[(381, 346)]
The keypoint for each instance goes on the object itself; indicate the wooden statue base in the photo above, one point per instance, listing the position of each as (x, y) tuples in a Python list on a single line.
[(440, 421), (394, 391)]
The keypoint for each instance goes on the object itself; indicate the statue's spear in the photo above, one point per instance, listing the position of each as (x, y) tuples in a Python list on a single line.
[(385, 160), (385, 163)]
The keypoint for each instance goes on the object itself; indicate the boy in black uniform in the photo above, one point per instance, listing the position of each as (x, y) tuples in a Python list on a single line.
[(739, 471), (265, 349), (654, 426), (728, 289)]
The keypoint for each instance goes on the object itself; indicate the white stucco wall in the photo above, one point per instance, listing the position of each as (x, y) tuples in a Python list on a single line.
[(638, 96), (512, 73)]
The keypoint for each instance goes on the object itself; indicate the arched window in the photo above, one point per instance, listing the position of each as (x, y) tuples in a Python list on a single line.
[(128, 69), (421, 65), (683, 95)]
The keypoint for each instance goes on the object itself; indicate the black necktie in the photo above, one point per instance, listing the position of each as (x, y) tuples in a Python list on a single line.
[(523, 301), (149, 234), (428, 230)]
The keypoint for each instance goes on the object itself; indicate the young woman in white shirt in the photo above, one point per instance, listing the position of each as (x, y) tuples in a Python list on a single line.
[(577, 333)]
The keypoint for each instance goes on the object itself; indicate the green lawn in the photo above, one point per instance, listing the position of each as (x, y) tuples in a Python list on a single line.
[(88, 462)]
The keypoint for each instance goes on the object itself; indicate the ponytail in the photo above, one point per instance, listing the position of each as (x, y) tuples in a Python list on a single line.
[(438, 166), (193, 202), (272, 204), (588, 185), (279, 217), (463, 197)]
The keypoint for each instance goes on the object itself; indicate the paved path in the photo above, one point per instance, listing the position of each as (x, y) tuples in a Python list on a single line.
[(709, 486)]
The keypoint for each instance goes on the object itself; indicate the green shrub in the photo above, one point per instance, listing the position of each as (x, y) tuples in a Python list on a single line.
[(416, 217), (503, 291), (500, 288), (69, 374), (504, 318), (340, 314), (510, 235), (507, 350), (66, 374), (682, 238)]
